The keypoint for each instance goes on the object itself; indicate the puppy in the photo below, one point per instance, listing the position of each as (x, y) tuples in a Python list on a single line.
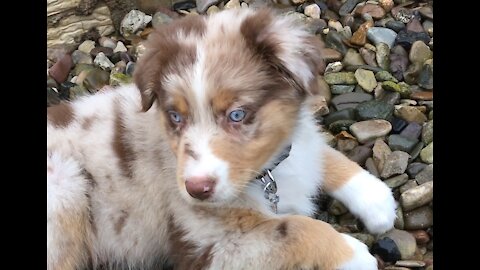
[(210, 160)]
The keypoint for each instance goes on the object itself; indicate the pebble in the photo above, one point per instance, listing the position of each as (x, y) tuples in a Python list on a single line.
[(102, 61), (396, 163), (427, 154), (319, 105), (331, 55), (381, 151), (371, 167), (360, 154), (339, 126), (79, 57), (375, 11), (341, 89), (413, 71), (399, 222), (86, 46), (414, 168), (401, 143), (396, 26), (107, 42), (95, 79), (407, 38), (345, 114), (313, 11), (383, 56), (333, 40), (408, 185), (60, 70), (385, 76), (133, 22), (203, 5), (160, 18), (374, 109), (398, 61), (396, 181), (416, 150), (428, 27), (105, 50), (410, 114), (359, 37), (387, 5), (427, 132), (419, 52), (348, 7), (404, 241), (412, 131), (369, 57), (420, 218), (352, 58), (425, 78), (232, 4), (345, 145), (370, 129), (417, 196), (366, 79), (410, 263), (387, 250), (381, 35), (340, 78), (423, 95), (420, 236)]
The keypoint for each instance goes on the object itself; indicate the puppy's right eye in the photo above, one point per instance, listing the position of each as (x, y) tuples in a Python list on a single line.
[(175, 117)]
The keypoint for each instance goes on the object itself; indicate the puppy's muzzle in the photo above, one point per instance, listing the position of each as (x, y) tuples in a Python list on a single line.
[(200, 187)]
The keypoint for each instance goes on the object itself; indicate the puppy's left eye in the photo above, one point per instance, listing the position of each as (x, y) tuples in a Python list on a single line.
[(237, 115)]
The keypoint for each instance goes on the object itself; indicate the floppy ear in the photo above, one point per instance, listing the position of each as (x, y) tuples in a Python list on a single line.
[(163, 50), (286, 45)]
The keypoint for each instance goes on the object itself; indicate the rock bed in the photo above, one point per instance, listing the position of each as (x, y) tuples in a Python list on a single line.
[(376, 104)]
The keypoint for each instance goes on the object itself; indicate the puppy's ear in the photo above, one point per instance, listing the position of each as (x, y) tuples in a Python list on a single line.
[(286, 45), (164, 50)]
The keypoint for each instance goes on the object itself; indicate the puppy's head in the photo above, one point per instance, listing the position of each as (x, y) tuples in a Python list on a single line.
[(228, 88)]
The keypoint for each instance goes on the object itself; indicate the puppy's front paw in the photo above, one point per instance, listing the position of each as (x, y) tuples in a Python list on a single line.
[(370, 199), (361, 259)]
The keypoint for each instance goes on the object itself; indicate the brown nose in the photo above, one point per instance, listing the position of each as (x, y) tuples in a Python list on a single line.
[(200, 187)]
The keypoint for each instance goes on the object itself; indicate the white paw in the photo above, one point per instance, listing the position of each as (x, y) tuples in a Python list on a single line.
[(362, 259), (371, 200)]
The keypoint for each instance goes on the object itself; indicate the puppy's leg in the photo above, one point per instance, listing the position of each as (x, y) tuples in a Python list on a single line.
[(291, 242), (67, 214), (362, 193)]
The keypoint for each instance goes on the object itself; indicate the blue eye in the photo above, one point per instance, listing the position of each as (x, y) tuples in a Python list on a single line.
[(175, 117), (237, 115)]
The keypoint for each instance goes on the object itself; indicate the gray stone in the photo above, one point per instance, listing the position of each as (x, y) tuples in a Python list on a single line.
[(107, 42), (428, 27), (396, 163), (417, 196), (80, 57), (396, 181), (388, 97), (368, 56), (347, 7), (398, 61), (366, 79), (203, 5), (412, 73), (381, 35), (401, 143), (426, 175), (337, 208), (408, 185), (414, 168), (425, 78), (341, 89), (340, 78), (399, 223), (334, 67), (349, 100), (414, 264), (405, 242), (366, 67), (360, 154), (396, 26), (102, 61), (381, 151), (371, 167), (412, 131), (333, 40), (420, 218), (420, 52), (133, 22), (385, 76), (383, 55), (416, 150), (374, 109), (427, 153), (368, 130), (352, 58), (346, 114), (410, 114)]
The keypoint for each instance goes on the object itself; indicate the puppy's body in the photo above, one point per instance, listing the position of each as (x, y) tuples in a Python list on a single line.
[(118, 167)]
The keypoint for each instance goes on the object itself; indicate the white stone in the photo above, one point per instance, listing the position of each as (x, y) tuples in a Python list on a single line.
[(134, 21), (102, 61), (312, 11), (120, 47)]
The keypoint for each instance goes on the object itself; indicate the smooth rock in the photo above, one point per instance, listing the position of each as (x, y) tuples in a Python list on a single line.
[(212, 10), (346, 114), (427, 132), (398, 61), (86, 46), (399, 222), (381, 151), (416, 151), (410, 263), (412, 73), (421, 236), (375, 11), (345, 145), (349, 100), (423, 95), (348, 7), (334, 41), (359, 37), (102, 61), (341, 89), (419, 52), (107, 42), (417, 196), (315, 26), (96, 79), (105, 50), (412, 131), (381, 35), (370, 129), (396, 163), (232, 4), (374, 109), (331, 55), (425, 78), (427, 153), (404, 241), (383, 56), (366, 79), (414, 168), (428, 27), (410, 114), (408, 185), (60, 70), (369, 57), (398, 124), (352, 58), (371, 167), (396, 26), (401, 143), (360, 154), (312, 10), (387, 250), (385, 76), (415, 25), (406, 38), (420, 218), (340, 78), (396, 181), (79, 57)]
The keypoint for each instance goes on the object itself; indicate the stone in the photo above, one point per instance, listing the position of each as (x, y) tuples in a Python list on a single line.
[(352, 58), (413, 71), (339, 126), (60, 70), (203, 5), (160, 18), (383, 56), (427, 132), (428, 27), (420, 218), (331, 55), (406, 38), (337, 208), (398, 124), (369, 57), (349, 100), (348, 7), (386, 249), (70, 28), (414, 168), (399, 223), (396, 163), (370, 129), (384, 75), (410, 114), (359, 37), (212, 9), (404, 241), (374, 109), (107, 42), (419, 52), (398, 61), (396, 181), (403, 90), (417, 196), (96, 79), (427, 12), (318, 105), (425, 78), (120, 47), (341, 89), (340, 78), (375, 11), (420, 236), (334, 41), (367, 239), (366, 79), (130, 68), (423, 95), (396, 26), (232, 4), (79, 57), (366, 67), (345, 145), (345, 114), (324, 89), (408, 185), (133, 22), (417, 149), (381, 35), (105, 50), (102, 61), (360, 154), (312, 11), (426, 155), (412, 131), (371, 167), (381, 151), (86, 46)]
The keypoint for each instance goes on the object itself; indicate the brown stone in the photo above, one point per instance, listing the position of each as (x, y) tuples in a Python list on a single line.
[(360, 36), (376, 11), (422, 95)]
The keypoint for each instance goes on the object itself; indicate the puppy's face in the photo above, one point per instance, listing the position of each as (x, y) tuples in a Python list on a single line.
[(229, 88)]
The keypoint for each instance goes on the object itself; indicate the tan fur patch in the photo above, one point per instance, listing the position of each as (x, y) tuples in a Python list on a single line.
[(338, 169), (60, 115)]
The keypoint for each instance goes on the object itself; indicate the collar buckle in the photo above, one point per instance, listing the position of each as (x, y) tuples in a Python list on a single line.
[(270, 189)]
